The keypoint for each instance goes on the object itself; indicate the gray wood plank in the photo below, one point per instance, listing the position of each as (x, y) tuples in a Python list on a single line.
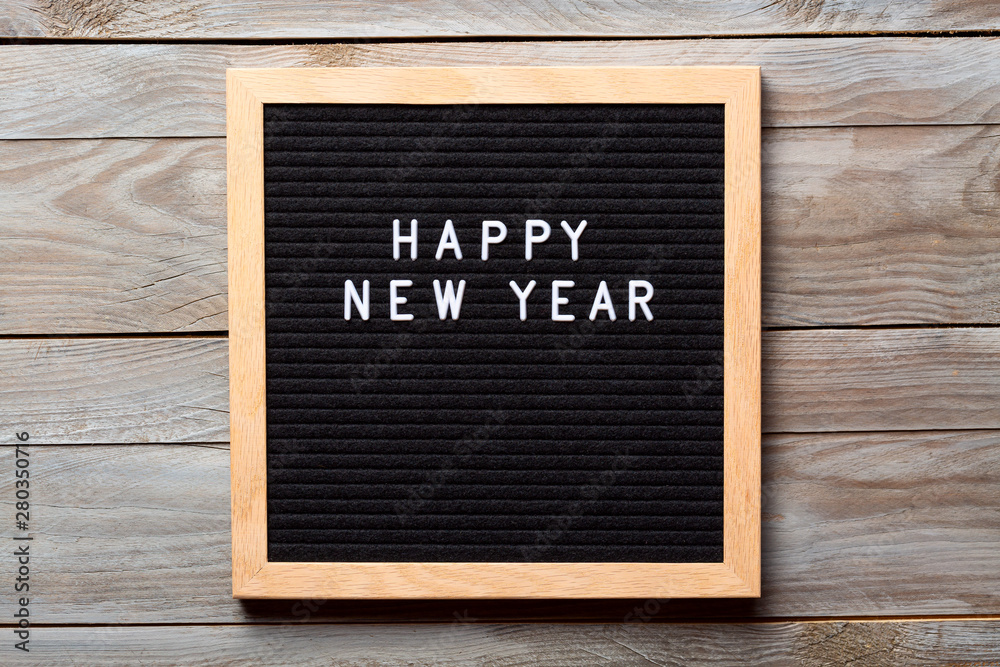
[(853, 525), (160, 90), (882, 379), (122, 390), (934, 642), (861, 226), (113, 236), (274, 19), (115, 390)]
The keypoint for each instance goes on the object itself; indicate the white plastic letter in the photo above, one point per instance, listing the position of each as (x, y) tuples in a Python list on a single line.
[(362, 302), (530, 238), (523, 296), (603, 302), (448, 241), (397, 239), (641, 300), (492, 240), (560, 301), (574, 238), (396, 300), (449, 300)]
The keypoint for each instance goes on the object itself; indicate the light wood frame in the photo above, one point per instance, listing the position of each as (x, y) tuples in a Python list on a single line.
[(247, 90)]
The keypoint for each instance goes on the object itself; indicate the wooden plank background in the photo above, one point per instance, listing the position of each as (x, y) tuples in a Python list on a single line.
[(881, 368)]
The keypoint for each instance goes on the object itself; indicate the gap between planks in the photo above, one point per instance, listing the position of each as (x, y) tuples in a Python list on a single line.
[(225, 334), (746, 620), (480, 39)]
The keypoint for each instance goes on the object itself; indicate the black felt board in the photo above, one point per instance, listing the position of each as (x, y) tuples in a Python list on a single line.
[(489, 438)]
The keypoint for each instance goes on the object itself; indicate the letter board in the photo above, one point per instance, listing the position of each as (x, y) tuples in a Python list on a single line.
[(495, 332)]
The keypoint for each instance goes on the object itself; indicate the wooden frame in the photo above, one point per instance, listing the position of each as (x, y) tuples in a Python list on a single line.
[(736, 87)]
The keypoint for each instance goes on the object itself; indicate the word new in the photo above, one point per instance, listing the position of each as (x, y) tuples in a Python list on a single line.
[(449, 299)]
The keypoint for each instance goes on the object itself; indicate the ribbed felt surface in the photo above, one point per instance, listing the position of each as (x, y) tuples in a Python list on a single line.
[(489, 438)]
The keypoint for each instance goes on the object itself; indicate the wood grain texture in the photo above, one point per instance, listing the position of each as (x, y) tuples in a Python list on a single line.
[(568, 84), (175, 390), (112, 236), (114, 390), (742, 339), (247, 368), (382, 580), (883, 379), (854, 525), (881, 225), (273, 19), (875, 644), (162, 90), (861, 226)]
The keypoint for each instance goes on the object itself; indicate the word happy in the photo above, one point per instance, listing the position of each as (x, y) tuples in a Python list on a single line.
[(449, 298)]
